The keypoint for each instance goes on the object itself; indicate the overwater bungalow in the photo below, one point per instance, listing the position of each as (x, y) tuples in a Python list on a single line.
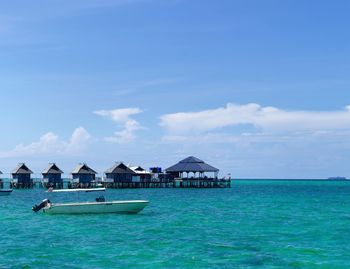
[(1, 182), (83, 175), (193, 172), (120, 173), (52, 176), (21, 176)]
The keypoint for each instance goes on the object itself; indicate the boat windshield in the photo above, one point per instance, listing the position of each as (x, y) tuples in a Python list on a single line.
[(77, 195), (77, 190)]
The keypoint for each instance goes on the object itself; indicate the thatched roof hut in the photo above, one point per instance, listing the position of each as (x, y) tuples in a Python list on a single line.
[(119, 172), (53, 174), (83, 173), (22, 174)]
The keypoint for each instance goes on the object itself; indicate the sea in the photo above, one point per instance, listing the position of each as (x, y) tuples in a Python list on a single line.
[(254, 224)]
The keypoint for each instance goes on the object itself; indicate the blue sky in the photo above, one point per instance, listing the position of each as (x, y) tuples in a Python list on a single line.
[(259, 89)]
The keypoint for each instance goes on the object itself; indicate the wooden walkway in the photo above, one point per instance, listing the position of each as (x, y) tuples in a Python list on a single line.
[(152, 183), (155, 183), (169, 184)]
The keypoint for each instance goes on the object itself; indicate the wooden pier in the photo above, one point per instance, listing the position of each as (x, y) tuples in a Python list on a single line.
[(156, 183), (145, 184)]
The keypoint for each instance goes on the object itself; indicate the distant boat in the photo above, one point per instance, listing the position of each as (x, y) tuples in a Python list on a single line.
[(5, 192), (337, 178), (97, 207)]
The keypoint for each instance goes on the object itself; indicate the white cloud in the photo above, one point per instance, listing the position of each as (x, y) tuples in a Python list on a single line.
[(50, 143), (78, 141), (122, 117), (264, 119)]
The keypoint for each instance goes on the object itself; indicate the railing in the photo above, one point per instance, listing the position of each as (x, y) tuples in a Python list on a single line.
[(191, 182)]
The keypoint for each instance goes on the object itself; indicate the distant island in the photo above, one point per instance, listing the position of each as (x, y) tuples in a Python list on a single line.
[(337, 178)]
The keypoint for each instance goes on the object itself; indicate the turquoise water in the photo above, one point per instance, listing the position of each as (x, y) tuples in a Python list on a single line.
[(255, 224)]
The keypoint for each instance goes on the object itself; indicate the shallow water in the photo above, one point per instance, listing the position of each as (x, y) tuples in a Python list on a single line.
[(255, 224)]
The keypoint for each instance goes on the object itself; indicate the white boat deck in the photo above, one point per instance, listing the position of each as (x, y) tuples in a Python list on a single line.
[(99, 203)]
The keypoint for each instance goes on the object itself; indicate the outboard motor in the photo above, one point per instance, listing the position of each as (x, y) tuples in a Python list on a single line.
[(100, 199), (44, 203)]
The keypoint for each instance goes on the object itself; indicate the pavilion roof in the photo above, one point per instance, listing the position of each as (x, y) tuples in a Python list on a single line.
[(52, 169), (22, 169), (192, 164), (83, 168), (119, 168)]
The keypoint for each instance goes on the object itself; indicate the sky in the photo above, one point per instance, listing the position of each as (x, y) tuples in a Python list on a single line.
[(258, 89)]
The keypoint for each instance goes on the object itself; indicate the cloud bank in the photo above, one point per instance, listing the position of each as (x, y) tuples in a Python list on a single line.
[(50, 143), (262, 119)]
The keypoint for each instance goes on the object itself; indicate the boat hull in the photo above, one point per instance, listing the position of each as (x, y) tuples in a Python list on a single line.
[(122, 207), (5, 192)]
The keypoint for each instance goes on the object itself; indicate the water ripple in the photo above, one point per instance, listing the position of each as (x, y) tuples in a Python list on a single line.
[(252, 225)]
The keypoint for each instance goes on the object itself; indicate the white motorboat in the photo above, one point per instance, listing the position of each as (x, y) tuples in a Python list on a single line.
[(5, 192), (96, 207)]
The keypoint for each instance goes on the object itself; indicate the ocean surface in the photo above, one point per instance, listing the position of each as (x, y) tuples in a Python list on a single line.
[(255, 224)]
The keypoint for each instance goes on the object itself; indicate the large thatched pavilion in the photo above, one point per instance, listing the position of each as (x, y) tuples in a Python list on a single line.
[(199, 168)]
